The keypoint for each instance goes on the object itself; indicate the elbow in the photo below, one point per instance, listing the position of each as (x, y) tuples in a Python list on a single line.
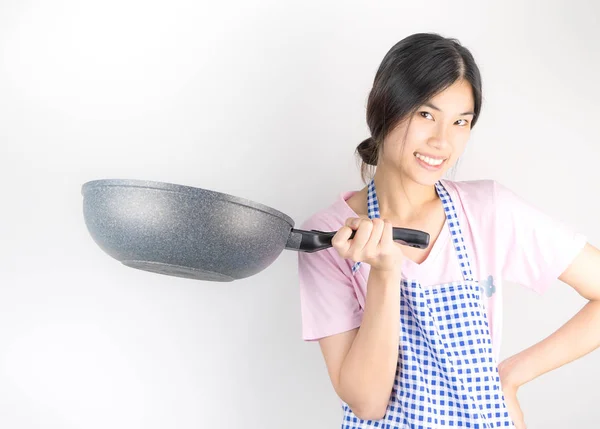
[(370, 411), (366, 401)]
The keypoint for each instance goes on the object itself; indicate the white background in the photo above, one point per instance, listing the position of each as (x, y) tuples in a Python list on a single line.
[(264, 100)]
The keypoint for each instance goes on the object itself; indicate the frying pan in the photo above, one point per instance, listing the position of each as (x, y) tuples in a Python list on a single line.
[(197, 233)]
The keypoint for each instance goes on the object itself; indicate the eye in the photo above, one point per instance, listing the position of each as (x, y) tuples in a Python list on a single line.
[(464, 122), (423, 114)]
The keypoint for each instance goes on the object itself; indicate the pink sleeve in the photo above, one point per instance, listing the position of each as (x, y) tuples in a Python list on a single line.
[(534, 248), (327, 298)]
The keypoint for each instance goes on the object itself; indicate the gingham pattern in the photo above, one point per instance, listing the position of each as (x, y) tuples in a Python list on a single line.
[(453, 224), (447, 375)]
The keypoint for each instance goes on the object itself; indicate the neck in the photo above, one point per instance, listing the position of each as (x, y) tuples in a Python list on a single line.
[(400, 197)]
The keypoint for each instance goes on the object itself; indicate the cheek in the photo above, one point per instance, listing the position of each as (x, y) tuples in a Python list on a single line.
[(414, 140), (459, 141), (417, 135), (464, 139)]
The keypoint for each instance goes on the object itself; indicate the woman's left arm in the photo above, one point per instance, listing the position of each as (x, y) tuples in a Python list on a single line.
[(576, 338)]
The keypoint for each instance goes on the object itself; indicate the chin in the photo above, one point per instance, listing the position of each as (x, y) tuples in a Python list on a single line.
[(428, 181), (426, 178), (426, 175)]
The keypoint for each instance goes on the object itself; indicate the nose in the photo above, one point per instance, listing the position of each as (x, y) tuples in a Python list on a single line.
[(440, 137)]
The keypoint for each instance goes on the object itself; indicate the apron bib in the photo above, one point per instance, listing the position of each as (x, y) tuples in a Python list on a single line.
[(447, 375)]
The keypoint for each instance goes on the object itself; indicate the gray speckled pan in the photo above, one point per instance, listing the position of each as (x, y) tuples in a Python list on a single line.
[(196, 233)]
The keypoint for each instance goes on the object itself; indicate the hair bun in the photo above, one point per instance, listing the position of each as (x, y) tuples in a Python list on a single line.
[(367, 150)]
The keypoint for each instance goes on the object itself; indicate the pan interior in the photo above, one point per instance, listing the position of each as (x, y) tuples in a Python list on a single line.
[(178, 271)]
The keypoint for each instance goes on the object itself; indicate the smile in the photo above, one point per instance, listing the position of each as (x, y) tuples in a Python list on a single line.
[(429, 160)]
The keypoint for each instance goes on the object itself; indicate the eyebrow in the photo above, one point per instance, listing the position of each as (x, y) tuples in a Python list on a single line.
[(439, 110)]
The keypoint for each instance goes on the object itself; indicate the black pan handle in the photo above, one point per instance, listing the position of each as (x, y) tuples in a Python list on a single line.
[(313, 241)]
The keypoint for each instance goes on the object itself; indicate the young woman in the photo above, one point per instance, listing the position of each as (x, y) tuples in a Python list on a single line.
[(411, 337)]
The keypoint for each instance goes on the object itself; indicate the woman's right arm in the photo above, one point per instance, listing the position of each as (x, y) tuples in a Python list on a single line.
[(362, 362)]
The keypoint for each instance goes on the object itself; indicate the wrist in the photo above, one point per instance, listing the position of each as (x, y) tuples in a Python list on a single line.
[(388, 274)]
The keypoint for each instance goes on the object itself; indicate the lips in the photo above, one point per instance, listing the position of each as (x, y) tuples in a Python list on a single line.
[(430, 160)]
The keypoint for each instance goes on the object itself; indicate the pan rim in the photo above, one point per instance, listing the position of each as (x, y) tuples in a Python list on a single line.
[(184, 189)]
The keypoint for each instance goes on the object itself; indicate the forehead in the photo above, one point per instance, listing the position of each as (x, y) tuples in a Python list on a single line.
[(458, 97)]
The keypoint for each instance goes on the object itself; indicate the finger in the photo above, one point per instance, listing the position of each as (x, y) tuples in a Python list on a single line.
[(341, 240), (354, 222), (372, 246), (387, 236), (361, 237)]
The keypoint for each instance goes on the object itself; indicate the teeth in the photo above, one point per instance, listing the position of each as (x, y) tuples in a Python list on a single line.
[(430, 161)]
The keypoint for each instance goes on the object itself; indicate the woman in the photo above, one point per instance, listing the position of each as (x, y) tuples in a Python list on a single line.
[(411, 337)]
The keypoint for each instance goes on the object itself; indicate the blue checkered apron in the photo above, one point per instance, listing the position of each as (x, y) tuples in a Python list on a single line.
[(446, 374)]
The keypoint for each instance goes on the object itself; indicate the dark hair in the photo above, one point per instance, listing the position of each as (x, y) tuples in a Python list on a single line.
[(413, 71)]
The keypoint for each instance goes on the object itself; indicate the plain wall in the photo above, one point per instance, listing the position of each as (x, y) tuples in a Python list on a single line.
[(263, 100)]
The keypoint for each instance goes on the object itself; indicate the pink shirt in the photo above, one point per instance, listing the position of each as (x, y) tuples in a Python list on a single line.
[(507, 239)]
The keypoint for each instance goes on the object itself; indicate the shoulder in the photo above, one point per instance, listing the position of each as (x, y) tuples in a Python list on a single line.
[(482, 193), (472, 190), (474, 198), (480, 203), (332, 217)]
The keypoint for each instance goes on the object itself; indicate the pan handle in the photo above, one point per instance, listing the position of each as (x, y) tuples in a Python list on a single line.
[(313, 241)]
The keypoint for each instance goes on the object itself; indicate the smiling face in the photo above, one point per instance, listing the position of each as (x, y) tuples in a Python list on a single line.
[(426, 145)]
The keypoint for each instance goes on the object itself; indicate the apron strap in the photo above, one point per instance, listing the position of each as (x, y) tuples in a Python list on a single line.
[(452, 221), (456, 234)]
